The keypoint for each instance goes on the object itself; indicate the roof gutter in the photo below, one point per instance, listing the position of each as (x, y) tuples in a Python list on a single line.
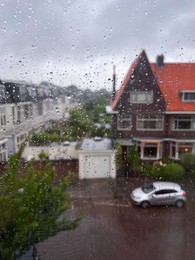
[(110, 111), (179, 112)]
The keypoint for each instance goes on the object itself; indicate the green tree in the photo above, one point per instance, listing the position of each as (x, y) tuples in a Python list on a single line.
[(79, 123), (30, 206), (133, 159)]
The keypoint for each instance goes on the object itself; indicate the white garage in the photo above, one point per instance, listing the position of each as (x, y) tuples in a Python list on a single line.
[(96, 159)]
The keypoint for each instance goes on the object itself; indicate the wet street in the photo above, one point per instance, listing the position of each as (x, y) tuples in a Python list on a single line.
[(112, 228)]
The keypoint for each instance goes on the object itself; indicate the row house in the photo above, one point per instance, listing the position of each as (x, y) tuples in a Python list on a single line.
[(154, 109), (26, 109)]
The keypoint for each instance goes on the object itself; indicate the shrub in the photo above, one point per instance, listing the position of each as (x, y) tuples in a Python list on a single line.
[(146, 169), (169, 172), (188, 162), (166, 160), (43, 155)]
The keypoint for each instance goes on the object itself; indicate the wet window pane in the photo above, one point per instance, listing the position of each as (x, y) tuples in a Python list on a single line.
[(97, 129)]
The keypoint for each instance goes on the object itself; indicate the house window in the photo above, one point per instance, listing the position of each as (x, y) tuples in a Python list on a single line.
[(188, 96), (124, 122), (3, 157), (185, 148), (3, 120), (141, 97), (40, 108), (183, 123), (150, 150), (150, 122), (173, 150), (26, 111), (13, 115), (2, 116), (19, 114), (177, 149)]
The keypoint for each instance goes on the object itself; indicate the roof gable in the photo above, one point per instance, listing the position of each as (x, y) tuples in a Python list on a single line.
[(172, 79), (127, 78)]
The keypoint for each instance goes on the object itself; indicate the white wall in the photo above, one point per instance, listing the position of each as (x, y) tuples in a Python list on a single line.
[(108, 155), (42, 112), (54, 152)]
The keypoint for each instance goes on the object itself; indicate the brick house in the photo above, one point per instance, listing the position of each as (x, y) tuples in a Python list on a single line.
[(154, 109)]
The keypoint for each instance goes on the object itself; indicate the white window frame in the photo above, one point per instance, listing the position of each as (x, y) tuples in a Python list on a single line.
[(178, 119), (121, 120), (140, 121), (3, 152), (143, 144), (3, 120), (188, 96), (141, 97), (178, 145)]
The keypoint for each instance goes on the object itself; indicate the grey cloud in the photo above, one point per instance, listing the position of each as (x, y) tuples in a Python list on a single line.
[(84, 37)]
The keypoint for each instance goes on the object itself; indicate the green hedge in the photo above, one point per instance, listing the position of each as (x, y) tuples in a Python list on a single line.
[(188, 162), (167, 172)]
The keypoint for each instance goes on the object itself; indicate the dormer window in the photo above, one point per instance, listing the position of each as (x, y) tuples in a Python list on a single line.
[(188, 96)]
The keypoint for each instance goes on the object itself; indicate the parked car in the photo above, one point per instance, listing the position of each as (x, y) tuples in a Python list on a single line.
[(159, 193)]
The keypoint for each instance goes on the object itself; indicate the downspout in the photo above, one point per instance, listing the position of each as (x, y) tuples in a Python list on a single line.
[(113, 116), (114, 84)]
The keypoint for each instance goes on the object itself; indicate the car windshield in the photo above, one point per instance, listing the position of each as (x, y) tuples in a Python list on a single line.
[(148, 188)]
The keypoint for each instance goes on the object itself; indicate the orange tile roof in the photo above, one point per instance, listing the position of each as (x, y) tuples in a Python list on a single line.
[(172, 79)]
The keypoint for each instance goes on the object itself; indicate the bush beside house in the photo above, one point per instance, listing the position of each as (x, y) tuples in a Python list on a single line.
[(188, 162), (168, 172)]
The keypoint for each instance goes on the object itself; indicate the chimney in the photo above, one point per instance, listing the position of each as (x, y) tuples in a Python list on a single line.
[(160, 61), (114, 84)]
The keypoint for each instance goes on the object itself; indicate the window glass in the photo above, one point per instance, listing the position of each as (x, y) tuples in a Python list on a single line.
[(150, 122), (188, 96), (124, 122), (150, 151), (183, 123), (141, 97), (97, 99), (165, 191), (148, 188)]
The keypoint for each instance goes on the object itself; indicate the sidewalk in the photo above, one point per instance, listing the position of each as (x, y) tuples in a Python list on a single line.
[(104, 188), (116, 188), (92, 189)]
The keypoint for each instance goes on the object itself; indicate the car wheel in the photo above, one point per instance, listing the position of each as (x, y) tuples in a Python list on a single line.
[(145, 204), (179, 203)]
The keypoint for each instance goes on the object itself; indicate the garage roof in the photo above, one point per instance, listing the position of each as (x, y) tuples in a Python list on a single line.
[(97, 143)]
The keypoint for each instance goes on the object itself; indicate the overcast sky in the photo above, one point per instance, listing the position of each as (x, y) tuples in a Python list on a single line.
[(77, 42)]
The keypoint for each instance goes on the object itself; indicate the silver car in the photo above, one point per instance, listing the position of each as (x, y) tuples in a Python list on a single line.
[(159, 193)]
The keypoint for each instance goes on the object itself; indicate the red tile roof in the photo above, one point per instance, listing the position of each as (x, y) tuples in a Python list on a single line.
[(174, 78)]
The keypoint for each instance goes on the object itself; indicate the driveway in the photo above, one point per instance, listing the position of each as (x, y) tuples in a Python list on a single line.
[(111, 228)]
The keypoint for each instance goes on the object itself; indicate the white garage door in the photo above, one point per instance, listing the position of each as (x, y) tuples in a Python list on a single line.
[(97, 167)]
